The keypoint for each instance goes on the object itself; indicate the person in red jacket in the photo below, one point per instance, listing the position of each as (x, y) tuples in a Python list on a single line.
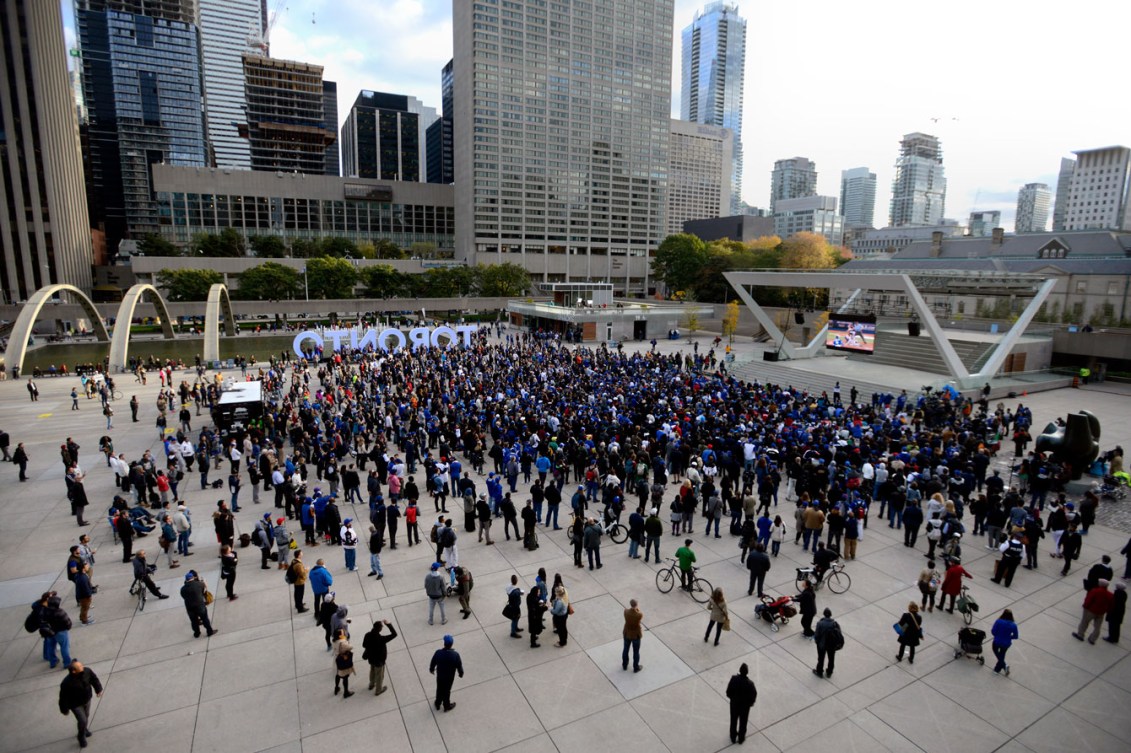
[(1096, 604), (952, 583)]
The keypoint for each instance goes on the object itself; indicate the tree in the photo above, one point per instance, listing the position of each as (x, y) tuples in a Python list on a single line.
[(730, 321), (187, 284), (382, 281), (386, 249), (366, 250), (229, 243), (267, 246), (269, 281), (679, 260), (339, 248), (808, 251), (503, 280), (330, 278), (155, 245), (422, 250), (691, 322), (305, 248)]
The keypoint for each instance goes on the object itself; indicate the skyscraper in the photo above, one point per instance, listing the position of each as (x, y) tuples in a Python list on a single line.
[(858, 197), (918, 192), (286, 127), (330, 110), (1100, 193), (228, 29), (982, 223), (381, 137), (44, 227), (699, 172), (569, 178), (1063, 191), (793, 178), (143, 92), (438, 138), (713, 67), (1032, 208)]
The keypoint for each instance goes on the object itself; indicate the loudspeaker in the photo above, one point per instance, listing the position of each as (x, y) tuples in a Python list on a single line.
[(913, 329), (798, 317), (769, 355)]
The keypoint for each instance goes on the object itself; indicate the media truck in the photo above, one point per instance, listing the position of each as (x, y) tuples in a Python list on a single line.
[(239, 406)]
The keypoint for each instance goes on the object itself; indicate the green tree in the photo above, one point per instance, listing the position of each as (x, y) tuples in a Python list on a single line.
[(330, 278), (305, 248), (339, 248), (382, 281), (423, 250), (229, 243), (366, 250), (503, 280), (386, 249), (187, 284), (268, 246), (269, 281), (442, 283), (155, 245), (691, 322), (679, 260)]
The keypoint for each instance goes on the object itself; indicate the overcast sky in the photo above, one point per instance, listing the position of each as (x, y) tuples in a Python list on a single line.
[(1015, 86)]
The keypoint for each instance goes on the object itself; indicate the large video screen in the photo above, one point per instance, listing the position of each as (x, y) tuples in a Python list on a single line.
[(855, 334)]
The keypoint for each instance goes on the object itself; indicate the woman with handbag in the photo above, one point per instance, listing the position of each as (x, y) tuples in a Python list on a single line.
[(929, 579), (720, 615), (910, 629), (559, 612), (343, 664)]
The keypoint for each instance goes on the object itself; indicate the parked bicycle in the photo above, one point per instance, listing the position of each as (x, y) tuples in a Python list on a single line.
[(837, 579), (613, 529), (666, 579)]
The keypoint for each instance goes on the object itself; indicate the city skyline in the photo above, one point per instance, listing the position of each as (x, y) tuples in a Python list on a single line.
[(993, 144)]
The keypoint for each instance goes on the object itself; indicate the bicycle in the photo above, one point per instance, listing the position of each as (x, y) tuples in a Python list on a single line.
[(613, 529), (139, 590), (837, 579), (966, 605), (701, 589), (116, 394)]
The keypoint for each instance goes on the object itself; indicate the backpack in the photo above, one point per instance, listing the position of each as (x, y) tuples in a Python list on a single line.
[(32, 621), (290, 576), (834, 639), (432, 535), (447, 537)]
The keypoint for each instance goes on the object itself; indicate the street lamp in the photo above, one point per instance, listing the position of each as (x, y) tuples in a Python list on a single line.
[(305, 286)]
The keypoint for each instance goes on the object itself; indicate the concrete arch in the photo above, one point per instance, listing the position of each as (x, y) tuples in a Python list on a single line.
[(29, 314), (217, 297), (120, 344)]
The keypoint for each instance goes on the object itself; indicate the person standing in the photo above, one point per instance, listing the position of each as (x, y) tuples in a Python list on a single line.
[(929, 581), (686, 559), (448, 540), (1070, 545), (807, 606), (75, 693), (182, 524), (513, 609), (228, 562), (445, 664), (1005, 633), (829, 640), (653, 530), (343, 663), (952, 584), (910, 632), (535, 615), (320, 582), (55, 627), (224, 524), (375, 651), (1011, 550), (33, 391), (133, 408), (298, 580), (633, 631), (483, 513), (559, 614), (349, 544), (464, 584), (375, 545), (84, 593), (435, 588), (20, 458), (264, 537), (592, 540), (720, 616), (1096, 605), (196, 604), (758, 563), (1115, 613), (742, 695)]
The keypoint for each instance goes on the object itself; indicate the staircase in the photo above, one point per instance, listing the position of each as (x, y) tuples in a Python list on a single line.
[(814, 382), (895, 348)]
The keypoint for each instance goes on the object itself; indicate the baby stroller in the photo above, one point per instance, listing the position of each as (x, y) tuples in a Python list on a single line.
[(776, 610), (970, 642)]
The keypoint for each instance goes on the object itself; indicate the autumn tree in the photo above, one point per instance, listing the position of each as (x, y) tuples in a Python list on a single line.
[(730, 321)]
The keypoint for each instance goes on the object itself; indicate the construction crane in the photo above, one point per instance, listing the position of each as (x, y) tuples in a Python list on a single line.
[(262, 41)]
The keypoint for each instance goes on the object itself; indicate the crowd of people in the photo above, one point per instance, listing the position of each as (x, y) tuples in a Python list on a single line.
[(516, 429)]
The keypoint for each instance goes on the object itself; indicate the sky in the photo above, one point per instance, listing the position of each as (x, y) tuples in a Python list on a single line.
[(1014, 87)]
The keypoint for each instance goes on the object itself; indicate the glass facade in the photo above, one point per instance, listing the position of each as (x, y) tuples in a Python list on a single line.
[(185, 214), (713, 71), (383, 137), (142, 80), (228, 28)]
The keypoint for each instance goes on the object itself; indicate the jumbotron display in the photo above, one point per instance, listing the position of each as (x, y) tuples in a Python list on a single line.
[(855, 333)]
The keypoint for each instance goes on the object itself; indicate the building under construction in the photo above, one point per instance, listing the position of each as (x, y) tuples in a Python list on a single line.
[(286, 124)]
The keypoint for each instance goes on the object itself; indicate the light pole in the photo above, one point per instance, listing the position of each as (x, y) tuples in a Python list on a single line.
[(305, 286)]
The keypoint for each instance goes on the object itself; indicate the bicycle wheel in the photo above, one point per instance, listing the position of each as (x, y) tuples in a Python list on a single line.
[(799, 586), (117, 394), (839, 582), (968, 615), (619, 534), (665, 581), (701, 590)]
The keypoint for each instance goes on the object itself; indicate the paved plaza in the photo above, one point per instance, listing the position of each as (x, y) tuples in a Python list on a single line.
[(264, 682)]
